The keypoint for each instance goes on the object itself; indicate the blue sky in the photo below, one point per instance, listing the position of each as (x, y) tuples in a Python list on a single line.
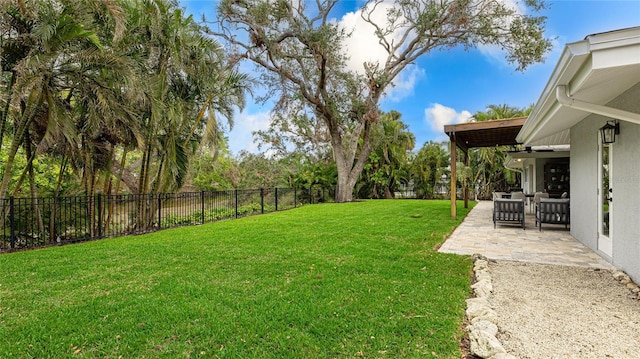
[(450, 85)]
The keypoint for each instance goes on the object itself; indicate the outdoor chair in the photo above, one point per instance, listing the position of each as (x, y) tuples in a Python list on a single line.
[(537, 196), (553, 211), (508, 210), (497, 195), (519, 195)]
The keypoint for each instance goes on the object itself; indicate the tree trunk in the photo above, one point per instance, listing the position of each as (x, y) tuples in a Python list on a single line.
[(125, 176), (8, 166), (54, 207), (120, 170), (23, 125), (5, 113), (27, 169), (350, 161), (387, 193), (142, 197), (144, 170), (348, 174), (344, 193), (32, 184)]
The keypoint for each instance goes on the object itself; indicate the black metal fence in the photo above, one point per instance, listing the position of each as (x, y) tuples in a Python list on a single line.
[(42, 221)]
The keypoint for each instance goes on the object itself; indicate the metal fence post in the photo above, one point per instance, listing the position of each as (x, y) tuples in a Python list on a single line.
[(159, 210), (236, 192), (99, 200), (12, 223), (276, 194), (295, 197), (262, 200), (202, 206)]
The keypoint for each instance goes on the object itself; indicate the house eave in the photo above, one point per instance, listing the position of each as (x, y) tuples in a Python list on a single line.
[(606, 58)]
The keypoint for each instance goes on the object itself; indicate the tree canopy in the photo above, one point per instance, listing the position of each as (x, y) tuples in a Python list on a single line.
[(487, 169), (87, 81), (300, 50)]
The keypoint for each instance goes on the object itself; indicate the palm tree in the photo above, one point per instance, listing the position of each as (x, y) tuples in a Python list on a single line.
[(396, 145), (188, 85), (428, 167), (56, 52), (76, 88), (487, 168), (61, 95), (388, 161)]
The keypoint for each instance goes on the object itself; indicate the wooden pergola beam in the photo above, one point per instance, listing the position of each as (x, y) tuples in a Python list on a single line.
[(454, 208)]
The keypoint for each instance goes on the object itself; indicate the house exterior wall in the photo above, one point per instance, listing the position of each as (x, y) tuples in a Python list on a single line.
[(626, 200), (584, 182), (624, 177)]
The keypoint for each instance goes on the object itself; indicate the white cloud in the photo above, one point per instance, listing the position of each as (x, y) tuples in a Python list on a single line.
[(363, 46), (404, 84), (240, 137), (438, 116)]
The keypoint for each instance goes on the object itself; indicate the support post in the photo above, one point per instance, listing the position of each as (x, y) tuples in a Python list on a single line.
[(465, 185), (454, 214)]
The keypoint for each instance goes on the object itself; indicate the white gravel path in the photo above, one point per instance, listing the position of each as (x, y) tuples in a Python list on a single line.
[(548, 311)]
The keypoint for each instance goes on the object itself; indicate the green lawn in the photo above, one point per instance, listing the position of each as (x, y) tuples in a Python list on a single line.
[(323, 281)]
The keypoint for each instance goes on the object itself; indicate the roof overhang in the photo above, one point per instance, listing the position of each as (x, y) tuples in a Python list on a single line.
[(485, 133), (593, 71)]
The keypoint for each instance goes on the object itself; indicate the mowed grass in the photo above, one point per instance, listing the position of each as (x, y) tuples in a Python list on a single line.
[(323, 281)]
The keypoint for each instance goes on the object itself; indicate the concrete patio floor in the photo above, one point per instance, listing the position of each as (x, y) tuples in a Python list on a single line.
[(553, 245)]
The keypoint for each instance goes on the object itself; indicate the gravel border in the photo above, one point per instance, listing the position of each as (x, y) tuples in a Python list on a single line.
[(551, 311)]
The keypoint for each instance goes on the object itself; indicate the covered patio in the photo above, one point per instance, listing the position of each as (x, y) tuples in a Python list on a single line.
[(553, 245), (502, 132)]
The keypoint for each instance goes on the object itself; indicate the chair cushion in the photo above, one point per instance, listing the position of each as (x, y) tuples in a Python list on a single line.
[(508, 209), (553, 210)]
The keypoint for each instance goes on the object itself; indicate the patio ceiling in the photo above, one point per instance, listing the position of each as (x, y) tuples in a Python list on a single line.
[(486, 133), (514, 159)]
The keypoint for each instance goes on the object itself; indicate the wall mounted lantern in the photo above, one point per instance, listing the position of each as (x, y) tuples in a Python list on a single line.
[(609, 131)]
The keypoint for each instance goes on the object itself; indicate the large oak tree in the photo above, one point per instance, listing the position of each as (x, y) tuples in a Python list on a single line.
[(300, 48)]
